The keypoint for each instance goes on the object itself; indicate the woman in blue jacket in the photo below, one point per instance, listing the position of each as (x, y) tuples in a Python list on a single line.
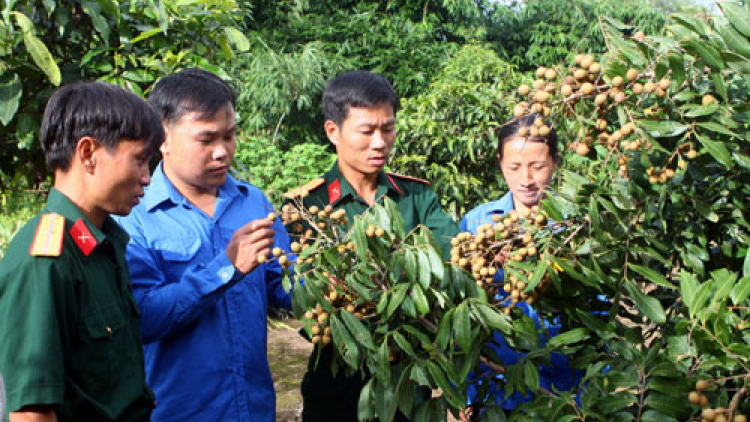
[(527, 163)]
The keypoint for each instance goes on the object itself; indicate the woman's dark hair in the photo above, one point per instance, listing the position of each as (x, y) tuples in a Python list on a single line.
[(190, 90), (510, 129), (358, 88), (101, 111)]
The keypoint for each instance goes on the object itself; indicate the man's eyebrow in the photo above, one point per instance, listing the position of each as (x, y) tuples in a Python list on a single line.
[(210, 133), (373, 124)]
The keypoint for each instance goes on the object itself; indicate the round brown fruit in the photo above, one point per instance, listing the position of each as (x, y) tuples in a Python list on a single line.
[(637, 88), (541, 71), (550, 74), (595, 68), (640, 36), (617, 81), (708, 99), (524, 90), (582, 149), (587, 88), (701, 385), (694, 397), (566, 90), (632, 74)]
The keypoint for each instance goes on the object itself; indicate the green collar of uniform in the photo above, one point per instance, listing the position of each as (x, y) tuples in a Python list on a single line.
[(61, 204), (385, 184)]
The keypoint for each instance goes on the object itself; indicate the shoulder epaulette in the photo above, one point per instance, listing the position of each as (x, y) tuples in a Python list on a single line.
[(49, 235), (401, 176), (305, 189)]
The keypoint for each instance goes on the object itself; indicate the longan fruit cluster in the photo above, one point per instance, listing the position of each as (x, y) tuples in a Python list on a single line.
[(294, 218), (586, 80), (277, 252), (708, 414), (484, 253), (341, 300)]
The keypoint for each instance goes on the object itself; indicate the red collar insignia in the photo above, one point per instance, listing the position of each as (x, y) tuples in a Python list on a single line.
[(82, 236), (334, 191)]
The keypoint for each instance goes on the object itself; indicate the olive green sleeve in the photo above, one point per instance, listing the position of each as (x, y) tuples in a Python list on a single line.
[(31, 355), (442, 225)]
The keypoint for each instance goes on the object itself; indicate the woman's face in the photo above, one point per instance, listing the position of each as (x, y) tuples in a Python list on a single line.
[(527, 167)]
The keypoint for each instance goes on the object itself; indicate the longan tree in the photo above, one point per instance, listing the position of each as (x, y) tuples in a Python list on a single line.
[(640, 253)]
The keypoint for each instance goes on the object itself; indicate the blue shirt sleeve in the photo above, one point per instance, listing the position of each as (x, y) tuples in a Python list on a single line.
[(167, 307)]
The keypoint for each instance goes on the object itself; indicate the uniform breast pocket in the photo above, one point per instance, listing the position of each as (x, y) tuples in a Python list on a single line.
[(177, 254), (104, 337)]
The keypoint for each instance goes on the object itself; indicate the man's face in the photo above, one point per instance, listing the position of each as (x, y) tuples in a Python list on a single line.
[(198, 152), (364, 139), (121, 175), (527, 167)]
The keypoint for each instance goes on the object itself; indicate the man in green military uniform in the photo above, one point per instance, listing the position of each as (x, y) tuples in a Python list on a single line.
[(360, 111), (71, 344)]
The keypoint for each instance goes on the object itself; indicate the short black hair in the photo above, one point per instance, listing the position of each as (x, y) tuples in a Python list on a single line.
[(100, 110), (358, 88), (190, 90), (510, 129)]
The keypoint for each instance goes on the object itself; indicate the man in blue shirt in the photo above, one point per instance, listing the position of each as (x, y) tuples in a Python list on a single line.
[(197, 242)]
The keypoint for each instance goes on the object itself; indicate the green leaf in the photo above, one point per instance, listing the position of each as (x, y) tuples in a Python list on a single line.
[(364, 410), (145, 35), (437, 266), (741, 291), (531, 376), (688, 289), (569, 337), (462, 327), (237, 38), (746, 264), (716, 127), (10, 96), (724, 281), (707, 52), (344, 343), (420, 300), (42, 57), (358, 330), (651, 275), (425, 270), (403, 344), (539, 271), (701, 297), (735, 41), (92, 8), (695, 110), (650, 306), (737, 15), (410, 264), (444, 331), (493, 318), (663, 128), (717, 150), (396, 296)]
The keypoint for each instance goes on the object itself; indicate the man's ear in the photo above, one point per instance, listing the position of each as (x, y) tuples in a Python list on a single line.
[(332, 131), (164, 147), (85, 153)]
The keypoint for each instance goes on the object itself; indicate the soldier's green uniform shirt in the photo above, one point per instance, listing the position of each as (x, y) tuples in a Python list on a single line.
[(69, 324), (327, 398)]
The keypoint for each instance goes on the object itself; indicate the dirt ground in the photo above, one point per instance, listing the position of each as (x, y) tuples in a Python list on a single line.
[(287, 355)]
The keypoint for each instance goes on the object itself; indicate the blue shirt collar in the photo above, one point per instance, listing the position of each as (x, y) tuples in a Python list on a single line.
[(161, 190), (502, 206)]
